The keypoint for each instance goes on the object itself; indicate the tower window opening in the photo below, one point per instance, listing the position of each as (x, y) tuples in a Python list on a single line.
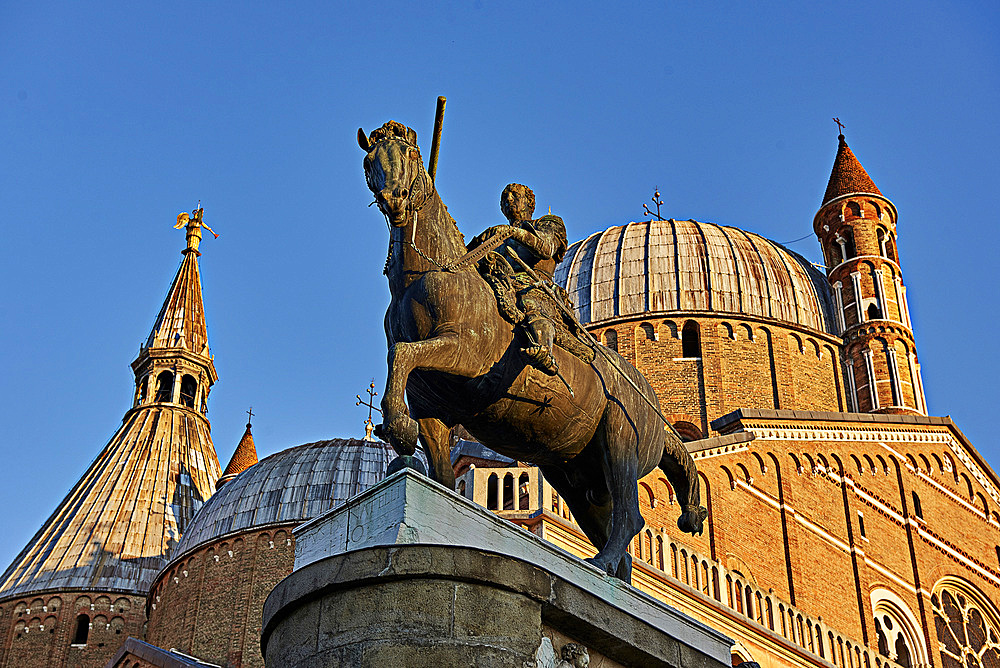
[(143, 386), (611, 339), (189, 387), (523, 488), (508, 492), (850, 249), (861, 525), (917, 510), (873, 312), (492, 492), (890, 250), (82, 630), (690, 343), (881, 242), (854, 210), (164, 386)]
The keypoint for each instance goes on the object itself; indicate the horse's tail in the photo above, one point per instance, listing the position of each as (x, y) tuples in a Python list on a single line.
[(677, 463)]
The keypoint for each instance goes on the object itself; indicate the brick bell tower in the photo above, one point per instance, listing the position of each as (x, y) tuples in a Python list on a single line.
[(856, 226)]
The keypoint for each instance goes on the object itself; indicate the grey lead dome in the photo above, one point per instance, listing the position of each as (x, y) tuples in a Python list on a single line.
[(666, 265), (293, 485)]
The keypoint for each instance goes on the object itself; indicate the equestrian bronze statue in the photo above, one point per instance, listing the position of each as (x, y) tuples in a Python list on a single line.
[(590, 422)]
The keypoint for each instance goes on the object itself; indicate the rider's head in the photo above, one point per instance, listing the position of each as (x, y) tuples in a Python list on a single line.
[(517, 202)]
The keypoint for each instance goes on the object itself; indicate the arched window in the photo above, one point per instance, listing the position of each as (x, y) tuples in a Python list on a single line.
[(890, 249), (164, 386), (143, 386), (917, 509), (690, 343), (880, 235), (508, 492), (853, 209), (523, 486), (82, 630), (648, 330), (492, 492), (611, 339), (849, 247), (873, 312), (898, 634), (968, 627), (189, 387), (687, 431)]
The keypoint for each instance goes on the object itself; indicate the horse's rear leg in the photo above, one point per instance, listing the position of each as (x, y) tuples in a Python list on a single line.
[(594, 519), (617, 439), (435, 436)]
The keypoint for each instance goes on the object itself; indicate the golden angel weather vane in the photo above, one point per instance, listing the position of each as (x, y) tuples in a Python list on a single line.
[(193, 222)]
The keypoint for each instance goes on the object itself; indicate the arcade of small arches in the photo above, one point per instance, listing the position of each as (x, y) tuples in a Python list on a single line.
[(884, 353), (865, 291), (840, 244), (172, 386), (100, 616)]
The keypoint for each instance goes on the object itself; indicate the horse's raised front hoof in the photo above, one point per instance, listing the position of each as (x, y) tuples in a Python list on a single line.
[(402, 433), (692, 521), (405, 462)]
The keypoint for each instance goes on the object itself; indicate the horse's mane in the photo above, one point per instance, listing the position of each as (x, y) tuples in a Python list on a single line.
[(393, 130)]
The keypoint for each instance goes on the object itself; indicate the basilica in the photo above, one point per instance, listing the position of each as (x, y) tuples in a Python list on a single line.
[(846, 526)]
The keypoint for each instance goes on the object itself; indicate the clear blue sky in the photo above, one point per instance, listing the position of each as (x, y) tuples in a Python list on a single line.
[(113, 119)]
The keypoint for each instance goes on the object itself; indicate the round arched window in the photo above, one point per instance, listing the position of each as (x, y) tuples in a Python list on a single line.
[(897, 631), (967, 627)]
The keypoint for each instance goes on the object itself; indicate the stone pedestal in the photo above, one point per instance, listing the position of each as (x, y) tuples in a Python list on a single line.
[(411, 574)]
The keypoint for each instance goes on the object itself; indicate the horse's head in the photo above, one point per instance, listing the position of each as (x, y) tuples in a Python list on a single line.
[(394, 170)]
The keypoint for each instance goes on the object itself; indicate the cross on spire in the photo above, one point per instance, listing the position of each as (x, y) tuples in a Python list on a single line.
[(250, 416), (840, 126), (369, 425)]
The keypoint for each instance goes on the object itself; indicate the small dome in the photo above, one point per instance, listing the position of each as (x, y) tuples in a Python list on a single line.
[(293, 485), (666, 265)]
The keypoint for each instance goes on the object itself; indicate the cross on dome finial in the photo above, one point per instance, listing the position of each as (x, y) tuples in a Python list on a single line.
[(657, 201), (369, 425), (249, 416)]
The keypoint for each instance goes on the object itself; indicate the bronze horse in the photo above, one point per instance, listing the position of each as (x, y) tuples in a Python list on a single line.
[(459, 362)]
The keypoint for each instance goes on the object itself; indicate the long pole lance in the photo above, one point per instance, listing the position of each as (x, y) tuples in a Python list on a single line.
[(436, 141)]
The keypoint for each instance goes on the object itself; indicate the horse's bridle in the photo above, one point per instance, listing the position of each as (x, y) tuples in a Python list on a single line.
[(426, 189)]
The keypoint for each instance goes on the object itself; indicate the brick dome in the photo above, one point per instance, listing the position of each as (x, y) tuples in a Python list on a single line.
[(666, 265), (290, 486)]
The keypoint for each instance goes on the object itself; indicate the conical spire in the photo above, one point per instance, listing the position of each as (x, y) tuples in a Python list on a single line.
[(181, 321), (848, 175), (244, 457), (114, 529)]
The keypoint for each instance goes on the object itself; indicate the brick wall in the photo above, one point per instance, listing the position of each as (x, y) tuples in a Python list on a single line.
[(39, 631), (209, 603), (741, 364)]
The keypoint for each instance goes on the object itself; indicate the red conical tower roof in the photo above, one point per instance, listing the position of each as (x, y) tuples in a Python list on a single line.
[(848, 175), (244, 457)]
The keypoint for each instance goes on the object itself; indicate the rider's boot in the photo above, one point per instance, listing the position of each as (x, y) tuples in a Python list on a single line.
[(541, 334)]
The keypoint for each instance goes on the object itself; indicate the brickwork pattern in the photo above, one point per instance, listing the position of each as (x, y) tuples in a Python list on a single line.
[(39, 631), (741, 364), (209, 602)]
